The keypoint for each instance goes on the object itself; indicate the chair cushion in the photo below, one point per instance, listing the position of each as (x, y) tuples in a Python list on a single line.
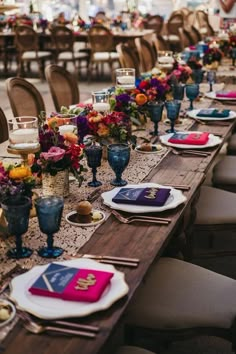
[(224, 171), (215, 206), (132, 350), (178, 295), (231, 148), (105, 56), (69, 56), (32, 55)]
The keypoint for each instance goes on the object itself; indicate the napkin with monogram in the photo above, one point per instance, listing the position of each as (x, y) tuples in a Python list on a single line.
[(189, 138), (151, 196), (214, 113), (71, 284)]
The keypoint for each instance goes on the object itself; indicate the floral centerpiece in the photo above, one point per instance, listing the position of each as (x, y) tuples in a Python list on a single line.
[(180, 73), (213, 55)]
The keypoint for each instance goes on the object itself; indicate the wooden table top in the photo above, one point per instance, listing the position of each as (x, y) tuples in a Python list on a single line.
[(146, 242)]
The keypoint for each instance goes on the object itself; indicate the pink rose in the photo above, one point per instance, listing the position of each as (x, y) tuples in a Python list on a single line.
[(54, 154)]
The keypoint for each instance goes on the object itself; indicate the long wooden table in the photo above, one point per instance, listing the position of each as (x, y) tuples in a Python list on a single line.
[(146, 242)]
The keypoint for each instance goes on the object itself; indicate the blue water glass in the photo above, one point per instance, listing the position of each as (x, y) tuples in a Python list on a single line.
[(94, 156), (198, 75), (155, 110), (211, 79), (178, 91), (173, 108), (192, 92), (49, 212), (118, 156), (233, 56), (17, 210)]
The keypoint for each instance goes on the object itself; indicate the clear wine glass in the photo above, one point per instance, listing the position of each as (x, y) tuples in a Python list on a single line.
[(17, 210), (211, 79), (155, 110), (118, 156), (49, 212), (94, 157), (192, 92), (173, 108)]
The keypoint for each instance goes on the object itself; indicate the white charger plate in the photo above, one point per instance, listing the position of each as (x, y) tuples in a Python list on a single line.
[(176, 198), (213, 141), (213, 96), (52, 308), (93, 223), (194, 114)]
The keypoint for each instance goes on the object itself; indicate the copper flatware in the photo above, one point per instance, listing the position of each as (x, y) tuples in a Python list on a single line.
[(132, 218), (182, 187), (122, 261), (189, 153)]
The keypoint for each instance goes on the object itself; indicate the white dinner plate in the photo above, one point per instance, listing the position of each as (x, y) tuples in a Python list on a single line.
[(92, 223), (213, 141), (156, 149), (194, 114), (176, 198), (212, 95), (52, 308)]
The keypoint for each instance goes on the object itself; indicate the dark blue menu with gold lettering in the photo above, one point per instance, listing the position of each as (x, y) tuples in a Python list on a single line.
[(150, 196)]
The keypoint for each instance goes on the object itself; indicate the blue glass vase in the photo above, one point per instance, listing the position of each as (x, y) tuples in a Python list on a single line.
[(155, 110), (17, 210), (192, 92), (172, 108), (49, 212), (94, 157), (118, 156)]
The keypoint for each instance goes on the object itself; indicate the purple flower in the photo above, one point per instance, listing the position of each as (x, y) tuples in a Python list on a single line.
[(82, 126)]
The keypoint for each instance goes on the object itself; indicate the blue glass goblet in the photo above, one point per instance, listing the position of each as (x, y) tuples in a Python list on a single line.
[(173, 108), (17, 211), (155, 109), (94, 157), (178, 91), (233, 56), (192, 92), (49, 212), (118, 156), (198, 75), (211, 79)]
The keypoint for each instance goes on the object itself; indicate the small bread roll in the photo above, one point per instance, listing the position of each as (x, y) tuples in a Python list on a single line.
[(84, 208), (146, 147)]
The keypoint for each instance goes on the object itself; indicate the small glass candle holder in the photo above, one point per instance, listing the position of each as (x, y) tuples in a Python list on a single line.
[(67, 123), (125, 78), (100, 100), (23, 133)]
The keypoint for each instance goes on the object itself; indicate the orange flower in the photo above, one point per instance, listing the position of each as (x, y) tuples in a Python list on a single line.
[(95, 119), (55, 122), (102, 130), (20, 172), (70, 138), (141, 99)]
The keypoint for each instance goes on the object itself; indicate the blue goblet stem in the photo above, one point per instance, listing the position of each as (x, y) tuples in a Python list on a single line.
[(50, 242), (191, 105), (94, 182), (211, 87), (155, 128)]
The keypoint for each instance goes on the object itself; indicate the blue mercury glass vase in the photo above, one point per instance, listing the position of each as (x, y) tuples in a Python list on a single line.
[(17, 210), (49, 212), (118, 156)]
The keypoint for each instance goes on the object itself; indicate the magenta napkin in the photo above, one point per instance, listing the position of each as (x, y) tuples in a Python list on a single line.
[(229, 94)]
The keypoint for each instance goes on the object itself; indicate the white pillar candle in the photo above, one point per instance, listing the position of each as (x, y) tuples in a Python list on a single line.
[(67, 128), (101, 106), (26, 136), (126, 79)]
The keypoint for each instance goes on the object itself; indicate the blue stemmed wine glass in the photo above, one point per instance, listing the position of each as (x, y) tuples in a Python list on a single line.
[(192, 92), (233, 56), (155, 109), (49, 212), (198, 75), (118, 156), (173, 108), (17, 210), (94, 157), (211, 79), (178, 91)]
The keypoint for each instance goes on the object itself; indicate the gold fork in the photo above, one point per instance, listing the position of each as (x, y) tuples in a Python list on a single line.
[(135, 218)]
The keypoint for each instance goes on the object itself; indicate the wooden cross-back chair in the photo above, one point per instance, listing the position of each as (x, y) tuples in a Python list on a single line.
[(24, 97), (63, 86), (128, 58), (3, 127), (156, 23), (146, 53)]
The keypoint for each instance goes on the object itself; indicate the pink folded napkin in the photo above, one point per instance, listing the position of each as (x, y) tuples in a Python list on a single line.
[(226, 94), (190, 138), (71, 284)]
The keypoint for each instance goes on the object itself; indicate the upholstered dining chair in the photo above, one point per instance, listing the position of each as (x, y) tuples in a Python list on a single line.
[(26, 40), (178, 300), (3, 127), (63, 86), (132, 350), (64, 39), (24, 97), (146, 53), (224, 173), (103, 51), (128, 58)]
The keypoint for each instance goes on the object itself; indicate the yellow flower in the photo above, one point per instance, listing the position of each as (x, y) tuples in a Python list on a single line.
[(70, 138), (20, 172), (102, 130)]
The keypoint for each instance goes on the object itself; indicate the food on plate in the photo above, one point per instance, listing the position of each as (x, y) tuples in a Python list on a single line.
[(146, 147), (97, 215), (84, 212), (5, 311)]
